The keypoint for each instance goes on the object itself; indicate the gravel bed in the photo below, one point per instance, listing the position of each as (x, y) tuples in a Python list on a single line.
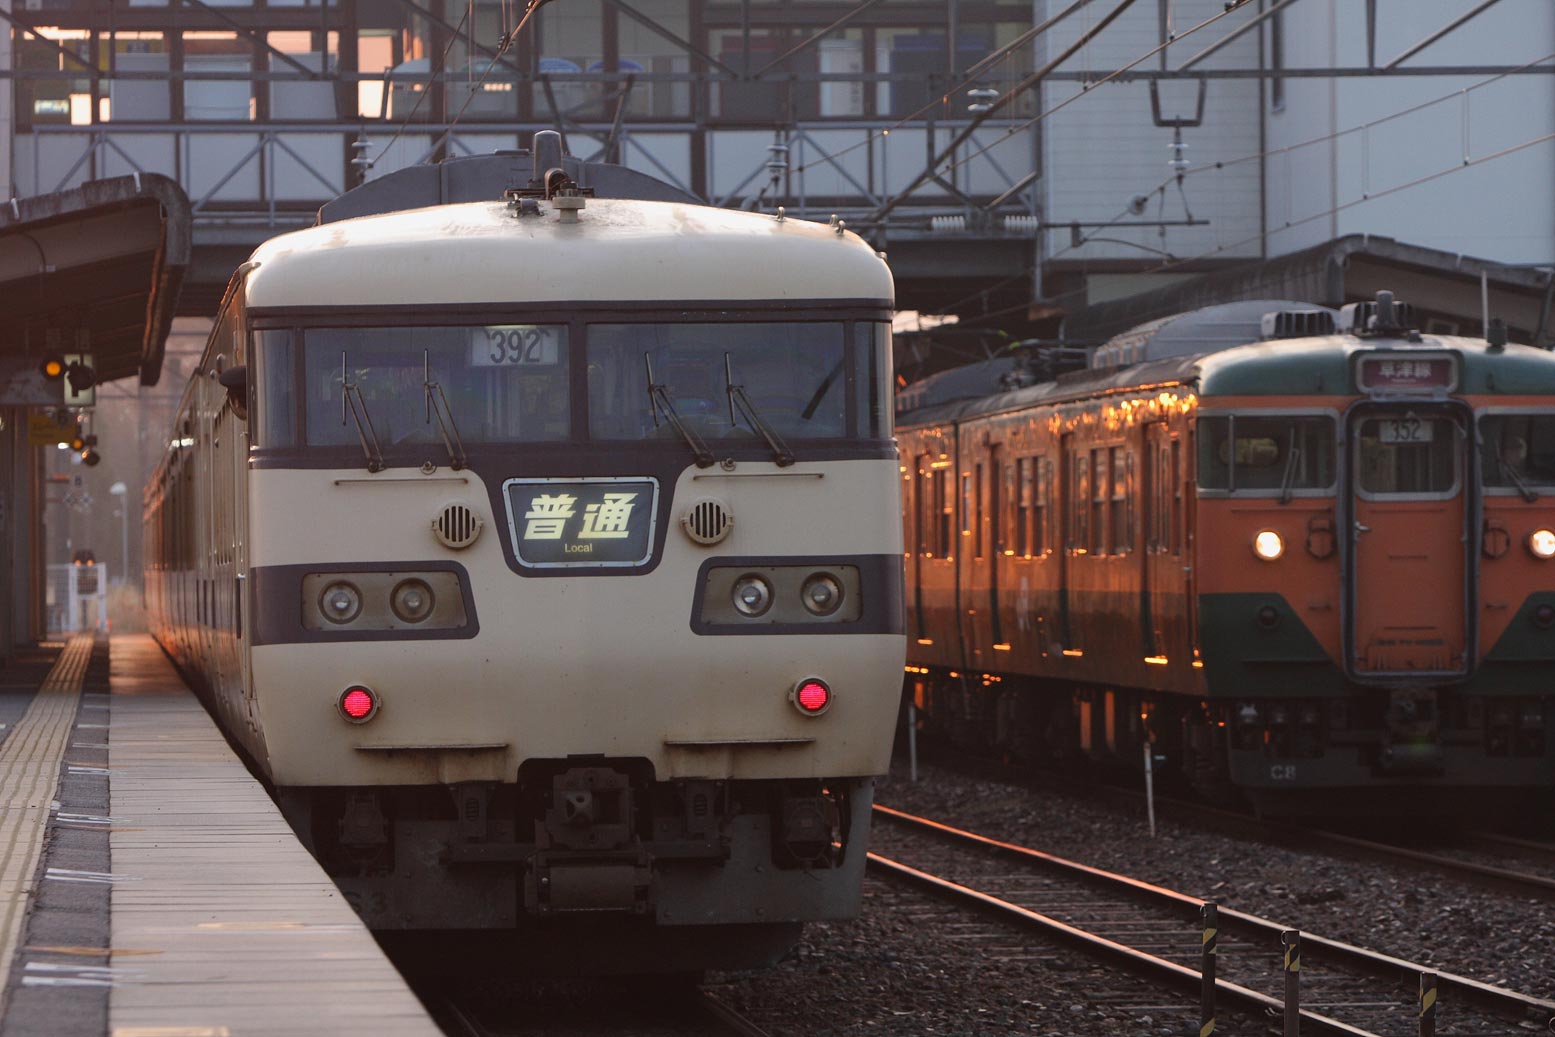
[(890, 972)]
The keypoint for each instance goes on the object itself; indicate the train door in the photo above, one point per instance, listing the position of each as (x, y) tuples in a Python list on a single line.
[(1409, 566), (974, 549), (1065, 532), (994, 519)]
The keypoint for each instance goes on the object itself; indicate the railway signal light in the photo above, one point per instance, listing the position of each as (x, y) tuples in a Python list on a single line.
[(90, 457), (53, 367)]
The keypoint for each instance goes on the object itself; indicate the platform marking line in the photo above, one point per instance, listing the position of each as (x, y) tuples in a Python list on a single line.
[(29, 776)]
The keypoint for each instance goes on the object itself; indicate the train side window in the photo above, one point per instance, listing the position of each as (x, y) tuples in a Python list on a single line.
[(924, 519), (966, 506), (943, 510), (1122, 517), (1080, 502), (1024, 499), (1101, 489), (1042, 535), (980, 509), (272, 375), (1174, 534)]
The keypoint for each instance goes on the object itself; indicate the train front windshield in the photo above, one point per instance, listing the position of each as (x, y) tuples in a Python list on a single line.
[(536, 383)]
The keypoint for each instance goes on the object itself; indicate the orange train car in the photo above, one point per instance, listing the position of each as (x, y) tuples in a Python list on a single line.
[(1294, 551)]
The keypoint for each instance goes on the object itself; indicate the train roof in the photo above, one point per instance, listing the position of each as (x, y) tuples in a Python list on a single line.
[(1318, 365), (619, 250)]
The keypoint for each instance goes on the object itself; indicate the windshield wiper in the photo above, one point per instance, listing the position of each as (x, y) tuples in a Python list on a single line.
[(659, 396), (1293, 454), (437, 403), (351, 399), (739, 398), (1522, 487)]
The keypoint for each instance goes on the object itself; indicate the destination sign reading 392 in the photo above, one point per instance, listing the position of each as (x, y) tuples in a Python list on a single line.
[(581, 522)]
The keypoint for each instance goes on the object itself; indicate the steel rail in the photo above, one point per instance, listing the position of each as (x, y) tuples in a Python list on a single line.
[(711, 1004), (1336, 951), (1178, 976)]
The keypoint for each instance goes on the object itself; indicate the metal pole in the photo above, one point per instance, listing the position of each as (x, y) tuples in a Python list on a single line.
[(1210, 914), (1150, 787), (1484, 304), (912, 740), (124, 538), (1427, 1004), (1291, 938)]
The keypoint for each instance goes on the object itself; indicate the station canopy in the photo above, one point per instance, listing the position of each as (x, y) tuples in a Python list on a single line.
[(95, 271)]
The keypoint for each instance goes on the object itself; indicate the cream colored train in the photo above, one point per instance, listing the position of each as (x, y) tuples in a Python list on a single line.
[(543, 553)]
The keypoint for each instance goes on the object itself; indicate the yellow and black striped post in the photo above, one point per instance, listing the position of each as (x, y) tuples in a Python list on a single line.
[(1427, 1004), (1211, 916), (1291, 938)]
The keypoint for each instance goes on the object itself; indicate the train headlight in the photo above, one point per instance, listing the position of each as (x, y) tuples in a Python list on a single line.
[(1542, 543), (358, 704), (341, 602), (811, 696), (752, 595), (1268, 545), (821, 594), (412, 600)]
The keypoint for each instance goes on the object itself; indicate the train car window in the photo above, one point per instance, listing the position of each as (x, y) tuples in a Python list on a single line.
[(503, 383), (874, 400), (1042, 535), (794, 374), (943, 512), (1174, 534), (1267, 454), (924, 520), (979, 511), (966, 505), (272, 375), (1080, 502), (1101, 487), (1122, 464), (1025, 499), (1406, 454), (1517, 450)]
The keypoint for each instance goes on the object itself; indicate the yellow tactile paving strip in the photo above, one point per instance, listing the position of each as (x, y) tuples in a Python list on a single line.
[(247, 935), (30, 761), (29, 777)]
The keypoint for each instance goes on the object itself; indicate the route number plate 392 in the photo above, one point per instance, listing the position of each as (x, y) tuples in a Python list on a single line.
[(514, 345)]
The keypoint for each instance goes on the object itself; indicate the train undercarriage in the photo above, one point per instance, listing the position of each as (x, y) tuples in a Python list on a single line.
[(590, 865), (1408, 749)]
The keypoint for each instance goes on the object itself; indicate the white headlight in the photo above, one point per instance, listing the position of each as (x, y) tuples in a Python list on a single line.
[(340, 602), (1268, 545), (752, 595), (1542, 543)]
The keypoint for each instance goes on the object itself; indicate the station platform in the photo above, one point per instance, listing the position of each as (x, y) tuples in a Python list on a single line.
[(148, 885)]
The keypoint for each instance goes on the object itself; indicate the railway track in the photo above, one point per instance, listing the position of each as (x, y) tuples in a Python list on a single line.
[(1530, 875), (1344, 989)]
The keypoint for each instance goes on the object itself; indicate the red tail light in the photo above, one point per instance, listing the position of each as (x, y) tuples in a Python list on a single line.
[(358, 704), (812, 696)]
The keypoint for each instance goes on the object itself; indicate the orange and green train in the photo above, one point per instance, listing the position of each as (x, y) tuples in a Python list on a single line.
[(1320, 559)]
